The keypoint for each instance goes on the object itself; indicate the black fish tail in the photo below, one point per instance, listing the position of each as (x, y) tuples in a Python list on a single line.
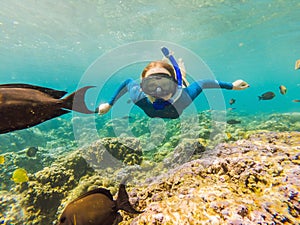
[(123, 201), (118, 219), (75, 101), (259, 98)]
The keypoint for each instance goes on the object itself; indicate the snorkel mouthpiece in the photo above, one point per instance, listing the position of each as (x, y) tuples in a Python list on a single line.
[(160, 104)]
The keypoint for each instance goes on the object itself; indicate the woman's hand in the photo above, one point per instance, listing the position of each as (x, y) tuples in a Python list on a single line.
[(104, 108), (240, 85)]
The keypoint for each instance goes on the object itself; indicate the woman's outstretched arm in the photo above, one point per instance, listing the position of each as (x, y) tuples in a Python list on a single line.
[(128, 85), (196, 88)]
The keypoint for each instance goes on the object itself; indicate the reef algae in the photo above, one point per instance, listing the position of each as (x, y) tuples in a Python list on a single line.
[(40, 197), (15, 160), (255, 181)]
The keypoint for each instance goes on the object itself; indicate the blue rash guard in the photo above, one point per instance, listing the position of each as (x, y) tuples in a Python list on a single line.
[(171, 111)]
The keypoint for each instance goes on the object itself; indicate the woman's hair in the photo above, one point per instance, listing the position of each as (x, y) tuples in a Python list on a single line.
[(163, 64)]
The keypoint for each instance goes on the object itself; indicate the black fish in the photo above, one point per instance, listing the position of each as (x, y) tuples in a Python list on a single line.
[(233, 121), (31, 151), (127, 117), (23, 106), (97, 207), (267, 96), (232, 101)]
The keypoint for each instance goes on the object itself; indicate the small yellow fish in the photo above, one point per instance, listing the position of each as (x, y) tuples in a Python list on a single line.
[(297, 64), (2, 159), (20, 176), (282, 89), (228, 135), (296, 100)]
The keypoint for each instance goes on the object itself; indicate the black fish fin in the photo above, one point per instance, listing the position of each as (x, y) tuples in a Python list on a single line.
[(53, 93), (75, 101), (96, 191), (123, 201)]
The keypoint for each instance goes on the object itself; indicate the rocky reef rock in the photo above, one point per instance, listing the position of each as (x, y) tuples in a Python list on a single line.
[(249, 181), (108, 152), (40, 197), (255, 181), (184, 152), (15, 160)]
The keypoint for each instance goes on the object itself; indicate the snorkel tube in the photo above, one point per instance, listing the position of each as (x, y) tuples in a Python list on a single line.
[(160, 104), (168, 55)]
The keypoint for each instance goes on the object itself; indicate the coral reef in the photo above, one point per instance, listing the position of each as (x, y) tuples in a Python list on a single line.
[(196, 172), (255, 181), (20, 159), (113, 151), (128, 150), (40, 198)]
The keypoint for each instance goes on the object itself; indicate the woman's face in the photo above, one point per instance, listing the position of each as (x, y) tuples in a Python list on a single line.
[(159, 82)]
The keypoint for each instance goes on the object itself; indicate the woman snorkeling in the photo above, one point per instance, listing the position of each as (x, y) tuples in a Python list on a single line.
[(164, 91)]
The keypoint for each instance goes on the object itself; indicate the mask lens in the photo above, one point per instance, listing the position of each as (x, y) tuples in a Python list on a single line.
[(158, 85)]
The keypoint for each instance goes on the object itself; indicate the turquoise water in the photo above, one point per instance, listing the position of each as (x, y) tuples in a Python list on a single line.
[(52, 43), (56, 43), (68, 44)]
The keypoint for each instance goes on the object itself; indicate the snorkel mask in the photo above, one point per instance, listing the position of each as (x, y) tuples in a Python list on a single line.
[(160, 84)]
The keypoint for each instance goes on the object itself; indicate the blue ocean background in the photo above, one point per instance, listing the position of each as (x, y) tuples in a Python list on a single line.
[(54, 43), (68, 44)]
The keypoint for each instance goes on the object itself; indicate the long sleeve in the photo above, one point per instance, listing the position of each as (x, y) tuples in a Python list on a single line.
[(130, 86), (196, 88), (205, 84)]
